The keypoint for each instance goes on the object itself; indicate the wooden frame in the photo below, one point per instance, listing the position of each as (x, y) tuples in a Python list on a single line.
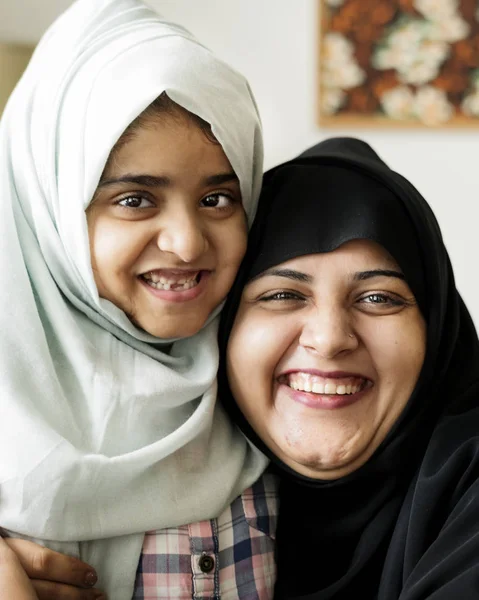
[(399, 63)]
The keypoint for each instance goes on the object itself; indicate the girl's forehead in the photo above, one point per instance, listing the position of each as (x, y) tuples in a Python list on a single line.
[(164, 146)]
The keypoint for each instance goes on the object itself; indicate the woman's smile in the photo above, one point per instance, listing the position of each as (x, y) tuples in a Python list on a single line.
[(323, 390)]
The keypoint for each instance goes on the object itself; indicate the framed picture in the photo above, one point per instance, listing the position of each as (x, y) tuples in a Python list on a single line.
[(396, 63)]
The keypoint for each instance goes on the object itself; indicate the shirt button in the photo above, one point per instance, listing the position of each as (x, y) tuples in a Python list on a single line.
[(206, 563)]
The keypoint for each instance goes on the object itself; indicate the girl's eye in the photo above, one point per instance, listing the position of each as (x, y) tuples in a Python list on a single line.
[(135, 202), (217, 201)]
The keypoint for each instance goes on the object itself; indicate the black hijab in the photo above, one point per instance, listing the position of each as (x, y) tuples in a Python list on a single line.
[(406, 524)]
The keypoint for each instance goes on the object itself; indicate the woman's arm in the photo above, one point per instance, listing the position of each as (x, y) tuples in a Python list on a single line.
[(31, 572)]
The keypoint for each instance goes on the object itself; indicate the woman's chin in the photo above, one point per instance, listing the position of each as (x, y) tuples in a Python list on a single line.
[(327, 463)]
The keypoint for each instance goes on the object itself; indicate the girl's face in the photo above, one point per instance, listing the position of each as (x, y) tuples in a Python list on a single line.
[(167, 228), (324, 354)]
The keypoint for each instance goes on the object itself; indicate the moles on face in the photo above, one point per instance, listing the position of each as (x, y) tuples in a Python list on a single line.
[(167, 227), (324, 354)]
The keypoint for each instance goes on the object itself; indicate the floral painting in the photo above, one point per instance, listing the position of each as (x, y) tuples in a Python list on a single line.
[(398, 62)]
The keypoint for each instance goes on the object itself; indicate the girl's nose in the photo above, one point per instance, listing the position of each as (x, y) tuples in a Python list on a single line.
[(328, 332), (182, 234)]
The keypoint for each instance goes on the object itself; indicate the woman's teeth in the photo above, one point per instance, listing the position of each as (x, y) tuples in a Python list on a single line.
[(303, 382), (178, 284)]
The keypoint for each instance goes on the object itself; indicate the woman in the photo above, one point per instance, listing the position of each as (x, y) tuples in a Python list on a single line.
[(360, 382), (127, 182)]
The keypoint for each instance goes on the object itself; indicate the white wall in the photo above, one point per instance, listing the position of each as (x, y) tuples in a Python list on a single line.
[(13, 60), (273, 43)]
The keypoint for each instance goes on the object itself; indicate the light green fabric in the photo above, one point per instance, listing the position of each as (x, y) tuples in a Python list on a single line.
[(103, 435)]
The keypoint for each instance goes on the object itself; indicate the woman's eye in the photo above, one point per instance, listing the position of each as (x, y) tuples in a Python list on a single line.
[(135, 202), (381, 299), (281, 296), (217, 201)]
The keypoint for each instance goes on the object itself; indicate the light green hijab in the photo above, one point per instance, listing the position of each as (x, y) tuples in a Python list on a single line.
[(104, 434)]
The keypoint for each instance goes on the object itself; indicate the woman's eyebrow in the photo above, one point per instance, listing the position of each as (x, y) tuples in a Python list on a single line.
[(288, 273), (363, 275), (163, 181), (305, 278)]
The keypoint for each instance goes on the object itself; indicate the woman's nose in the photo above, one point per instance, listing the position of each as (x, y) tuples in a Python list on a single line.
[(181, 233), (328, 332)]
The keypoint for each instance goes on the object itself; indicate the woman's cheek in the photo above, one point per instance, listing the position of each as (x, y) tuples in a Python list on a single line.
[(257, 345)]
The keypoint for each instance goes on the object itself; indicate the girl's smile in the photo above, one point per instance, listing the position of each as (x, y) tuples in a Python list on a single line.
[(174, 285)]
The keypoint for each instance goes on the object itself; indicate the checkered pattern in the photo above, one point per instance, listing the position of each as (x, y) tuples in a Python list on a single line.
[(240, 542)]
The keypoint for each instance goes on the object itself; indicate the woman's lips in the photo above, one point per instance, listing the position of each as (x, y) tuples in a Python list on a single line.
[(326, 390)]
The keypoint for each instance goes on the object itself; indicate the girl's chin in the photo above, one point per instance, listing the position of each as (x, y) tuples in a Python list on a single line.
[(176, 333)]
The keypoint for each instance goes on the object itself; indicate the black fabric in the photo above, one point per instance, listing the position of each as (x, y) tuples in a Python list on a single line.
[(406, 524)]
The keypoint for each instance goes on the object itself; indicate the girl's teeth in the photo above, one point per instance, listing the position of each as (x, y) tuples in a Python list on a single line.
[(162, 283), (178, 287)]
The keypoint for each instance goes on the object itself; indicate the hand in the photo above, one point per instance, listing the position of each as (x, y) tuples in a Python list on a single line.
[(53, 576), (14, 582)]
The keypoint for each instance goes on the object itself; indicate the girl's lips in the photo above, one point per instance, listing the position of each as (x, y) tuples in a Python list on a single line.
[(179, 296), (324, 401)]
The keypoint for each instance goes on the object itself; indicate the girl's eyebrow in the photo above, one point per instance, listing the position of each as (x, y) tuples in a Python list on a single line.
[(221, 178), (162, 181), (146, 180)]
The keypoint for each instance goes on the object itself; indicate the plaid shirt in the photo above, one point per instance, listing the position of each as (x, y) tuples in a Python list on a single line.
[(228, 558)]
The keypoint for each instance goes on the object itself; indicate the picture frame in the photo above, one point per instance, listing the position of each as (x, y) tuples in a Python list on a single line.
[(399, 63)]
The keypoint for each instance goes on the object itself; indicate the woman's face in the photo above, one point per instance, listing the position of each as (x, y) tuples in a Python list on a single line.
[(167, 228), (324, 354)]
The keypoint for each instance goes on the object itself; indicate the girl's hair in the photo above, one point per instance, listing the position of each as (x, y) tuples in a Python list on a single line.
[(163, 106)]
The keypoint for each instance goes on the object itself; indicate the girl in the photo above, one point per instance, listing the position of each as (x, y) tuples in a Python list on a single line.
[(128, 157)]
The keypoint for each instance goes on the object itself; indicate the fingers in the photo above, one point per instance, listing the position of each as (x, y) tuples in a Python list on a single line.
[(14, 582), (43, 564), (47, 590)]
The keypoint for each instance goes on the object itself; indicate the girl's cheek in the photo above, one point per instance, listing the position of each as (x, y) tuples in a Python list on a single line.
[(233, 244)]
